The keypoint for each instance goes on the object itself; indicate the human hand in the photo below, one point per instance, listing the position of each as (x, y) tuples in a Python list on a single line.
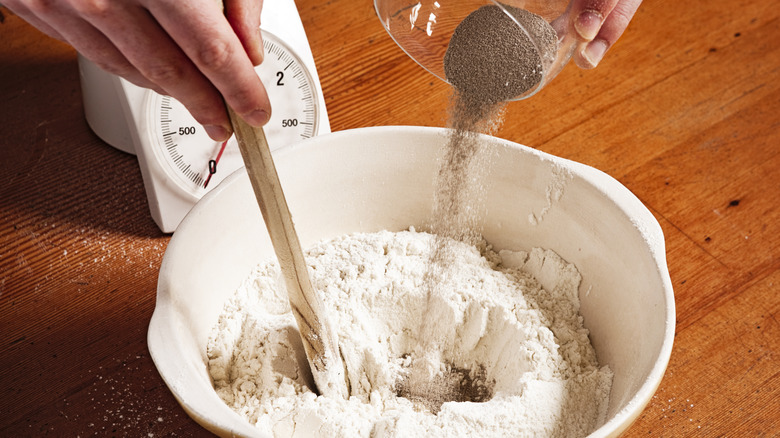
[(599, 24), (191, 50)]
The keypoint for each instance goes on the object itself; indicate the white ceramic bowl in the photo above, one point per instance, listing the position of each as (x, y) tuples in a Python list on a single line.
[(372, 179)]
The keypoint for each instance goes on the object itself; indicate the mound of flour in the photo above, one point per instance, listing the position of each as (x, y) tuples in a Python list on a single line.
[(508, 321)]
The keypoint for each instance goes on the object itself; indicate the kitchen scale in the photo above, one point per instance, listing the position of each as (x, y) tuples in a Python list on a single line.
[(179, 162)]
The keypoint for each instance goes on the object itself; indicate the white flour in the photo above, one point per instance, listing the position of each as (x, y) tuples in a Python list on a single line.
[(512, 318)]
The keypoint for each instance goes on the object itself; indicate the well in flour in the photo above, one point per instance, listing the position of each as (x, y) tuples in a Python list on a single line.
[(451, 384)]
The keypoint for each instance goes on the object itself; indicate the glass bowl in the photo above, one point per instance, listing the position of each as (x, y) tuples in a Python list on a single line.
[(424, 30)]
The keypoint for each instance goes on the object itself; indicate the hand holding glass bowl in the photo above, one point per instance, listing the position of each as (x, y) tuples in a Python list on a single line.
[(585, 29)]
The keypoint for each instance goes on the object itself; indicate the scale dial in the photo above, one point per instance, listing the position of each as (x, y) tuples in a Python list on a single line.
[(195, 162)]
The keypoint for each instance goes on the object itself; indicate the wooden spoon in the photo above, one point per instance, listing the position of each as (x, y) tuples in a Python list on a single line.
[(319, 338)]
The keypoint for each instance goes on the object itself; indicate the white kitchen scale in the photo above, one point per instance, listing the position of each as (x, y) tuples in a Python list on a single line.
[(179, 162)]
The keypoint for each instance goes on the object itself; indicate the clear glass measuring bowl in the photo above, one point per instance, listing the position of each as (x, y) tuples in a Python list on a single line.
[(423, 29)]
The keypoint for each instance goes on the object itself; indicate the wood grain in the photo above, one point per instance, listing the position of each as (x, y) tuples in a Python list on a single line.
[(684, 110)]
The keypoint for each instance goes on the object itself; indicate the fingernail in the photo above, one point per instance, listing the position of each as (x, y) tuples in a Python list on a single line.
[(217, 133), (594, 51), (256, 118), (588, 24)]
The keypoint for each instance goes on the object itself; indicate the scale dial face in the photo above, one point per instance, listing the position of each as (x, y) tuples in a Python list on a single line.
[(195, 162)]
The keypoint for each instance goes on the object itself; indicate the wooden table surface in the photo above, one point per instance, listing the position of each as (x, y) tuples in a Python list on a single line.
[(684, 111)]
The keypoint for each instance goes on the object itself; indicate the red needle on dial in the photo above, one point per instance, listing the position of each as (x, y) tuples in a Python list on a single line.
[(213, 164)]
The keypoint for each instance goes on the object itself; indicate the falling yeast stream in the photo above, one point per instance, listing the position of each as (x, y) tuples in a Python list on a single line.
[(489, 60)]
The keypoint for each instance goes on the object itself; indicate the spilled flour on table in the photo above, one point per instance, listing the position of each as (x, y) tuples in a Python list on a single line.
[(507, 325)]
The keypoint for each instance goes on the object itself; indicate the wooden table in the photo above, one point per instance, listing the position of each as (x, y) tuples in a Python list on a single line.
[(685, 111)]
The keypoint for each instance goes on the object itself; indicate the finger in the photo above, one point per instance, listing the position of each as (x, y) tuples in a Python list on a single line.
[(96, 47), (139, 37), (617, 21), (611, 30), (218, 54), (589, 15), (23, 12), (64, 23), (244, 18)]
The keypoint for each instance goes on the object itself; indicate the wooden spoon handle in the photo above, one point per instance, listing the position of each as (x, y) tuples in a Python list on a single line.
[(319, 339)]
